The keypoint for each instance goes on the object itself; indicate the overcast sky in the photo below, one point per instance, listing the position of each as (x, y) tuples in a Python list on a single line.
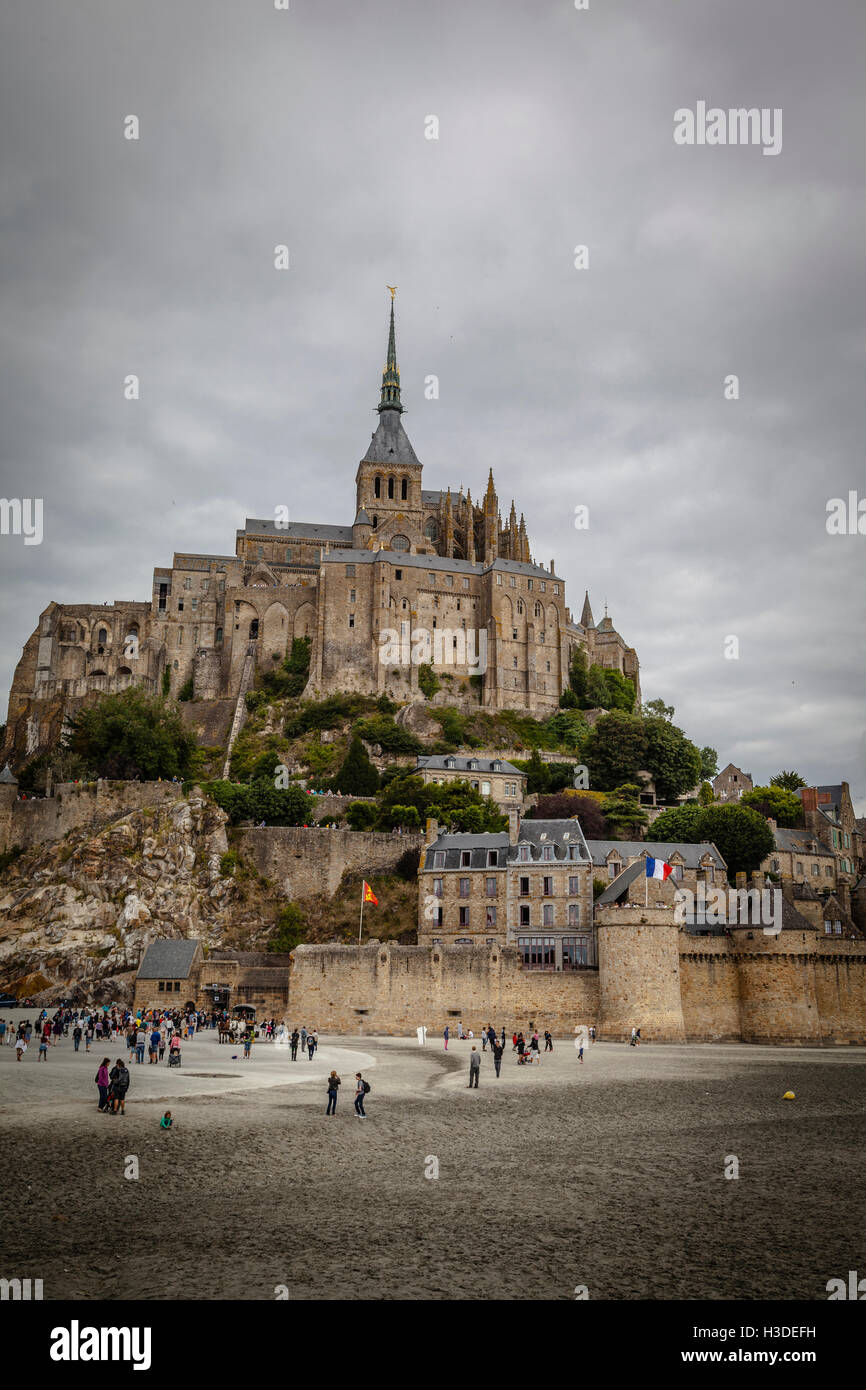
[(601, 386)]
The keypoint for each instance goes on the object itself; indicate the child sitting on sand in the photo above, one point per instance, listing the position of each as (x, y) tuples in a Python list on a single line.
[(165, 1122)]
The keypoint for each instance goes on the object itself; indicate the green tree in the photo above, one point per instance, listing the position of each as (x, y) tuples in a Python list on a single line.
[(706, 794), (615, 751), (709, 763), (568, 729), (739, 833), (357, 776), (673, 760), (262, 801), (677, 825), (289, 930), (597, 695), (623, 812), (362, 815), (577, 674), (790, 781), (131, 734), (537, 774), (657, 709), (428, 681), (784, 806)]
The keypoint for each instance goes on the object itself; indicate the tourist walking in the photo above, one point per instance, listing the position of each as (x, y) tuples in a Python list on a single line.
[(20, 1048), (333, 1083), (43, 1049), (497, 1054), (119, 1079), (362, 1087), (248, 1042), (154, 1047), (294, 1042), (303, 1038), (548, 1040), (474, 1068), (311, 1045), (76, 1036), (103, 1081), (445, 1035), (140, 1041)]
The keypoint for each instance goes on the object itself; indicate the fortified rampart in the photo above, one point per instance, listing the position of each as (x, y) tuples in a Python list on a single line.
[(44, 820), (794, 988), (303, 862)]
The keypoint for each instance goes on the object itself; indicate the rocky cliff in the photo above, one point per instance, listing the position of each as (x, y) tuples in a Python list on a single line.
[(76, 916)]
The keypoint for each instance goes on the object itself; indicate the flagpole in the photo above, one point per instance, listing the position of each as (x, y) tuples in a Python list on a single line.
[(645, 884), (361, 922)]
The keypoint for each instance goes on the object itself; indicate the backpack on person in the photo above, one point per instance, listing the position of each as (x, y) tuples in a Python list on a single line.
[(366, 1086)]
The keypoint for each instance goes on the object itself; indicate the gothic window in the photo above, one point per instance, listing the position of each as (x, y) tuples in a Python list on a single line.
[(431, 531), (391, 487), (404, 489), (537, 610), (219, 636), (375, 522), (400, 542), (520, 605), (377, 488), (102, 637), (254, 629)]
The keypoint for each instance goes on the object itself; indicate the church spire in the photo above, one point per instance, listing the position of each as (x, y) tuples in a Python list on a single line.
[(390, 395), (586, 618)]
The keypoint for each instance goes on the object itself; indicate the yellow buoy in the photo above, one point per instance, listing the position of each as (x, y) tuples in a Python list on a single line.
[(789, 1095)]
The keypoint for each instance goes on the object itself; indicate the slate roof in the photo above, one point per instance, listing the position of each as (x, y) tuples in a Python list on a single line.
[(691, 855), (560, 833), (390, 442), (798, 842), (438, 761), (8, 776), (295, 530), (169, 959)]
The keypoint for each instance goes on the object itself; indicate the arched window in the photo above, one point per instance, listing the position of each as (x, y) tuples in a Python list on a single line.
[(431, 531), (375, 522), (377, 487), (537, 610), (520, 605), (219, 635), (102, 637), (404, 489), (390, 487), (130, 642), (254, 629)]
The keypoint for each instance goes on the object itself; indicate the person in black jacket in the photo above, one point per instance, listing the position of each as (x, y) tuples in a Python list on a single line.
[(295, 1039), (497, 1054), (119, 1079)]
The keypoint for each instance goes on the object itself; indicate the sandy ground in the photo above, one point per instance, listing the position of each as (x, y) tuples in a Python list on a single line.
[(608, 1175)]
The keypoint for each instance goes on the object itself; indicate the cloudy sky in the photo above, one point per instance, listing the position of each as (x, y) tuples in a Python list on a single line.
[(601, 387)]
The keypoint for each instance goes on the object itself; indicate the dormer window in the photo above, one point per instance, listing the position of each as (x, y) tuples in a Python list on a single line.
[(523, 854), (450, 763), (547, 852), (497, 767)]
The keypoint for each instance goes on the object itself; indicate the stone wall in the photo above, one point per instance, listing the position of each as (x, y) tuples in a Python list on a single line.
[(42, 821), (674, 987), (303, 862), (383, 988)]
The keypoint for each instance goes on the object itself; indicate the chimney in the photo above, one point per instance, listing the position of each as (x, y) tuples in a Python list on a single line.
[(772, 824), (513, 826), (809, 798), (431, 832)]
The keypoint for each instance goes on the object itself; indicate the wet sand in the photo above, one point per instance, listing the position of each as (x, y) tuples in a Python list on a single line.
[(609, 1175)]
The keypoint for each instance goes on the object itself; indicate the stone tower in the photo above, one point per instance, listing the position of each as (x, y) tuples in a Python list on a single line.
[(639, 972), (388, 480)]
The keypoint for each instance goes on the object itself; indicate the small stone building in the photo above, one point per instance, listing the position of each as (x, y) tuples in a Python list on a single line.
[(176, 973), (490, 776), (731, 782)]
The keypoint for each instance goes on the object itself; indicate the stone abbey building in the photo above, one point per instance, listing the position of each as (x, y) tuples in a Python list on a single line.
[(419, 576)]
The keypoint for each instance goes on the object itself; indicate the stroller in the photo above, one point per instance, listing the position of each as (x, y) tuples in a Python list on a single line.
[(174, 1057)]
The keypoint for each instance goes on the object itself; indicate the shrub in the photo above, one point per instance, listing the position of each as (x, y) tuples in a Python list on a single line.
[(428, 683), (185, 692), (362, 815)]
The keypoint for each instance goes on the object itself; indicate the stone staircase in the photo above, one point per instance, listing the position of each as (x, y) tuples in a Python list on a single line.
[(249, 667)]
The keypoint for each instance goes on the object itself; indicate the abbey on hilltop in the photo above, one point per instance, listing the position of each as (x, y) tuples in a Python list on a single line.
[(413, 561)]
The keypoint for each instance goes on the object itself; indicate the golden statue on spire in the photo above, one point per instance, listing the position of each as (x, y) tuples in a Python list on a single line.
[(393, 289)]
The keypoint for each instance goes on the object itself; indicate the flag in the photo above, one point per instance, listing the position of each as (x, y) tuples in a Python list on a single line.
[(657, 868), (369, 895)]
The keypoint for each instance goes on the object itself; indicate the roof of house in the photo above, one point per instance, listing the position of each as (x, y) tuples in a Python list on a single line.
[(295, 530), (799, 842), (450, 762), (168, 959), (691, 855), (561, 834)]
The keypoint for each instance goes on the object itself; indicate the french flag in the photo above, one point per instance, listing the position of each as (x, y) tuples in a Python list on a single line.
[(657, 868)]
